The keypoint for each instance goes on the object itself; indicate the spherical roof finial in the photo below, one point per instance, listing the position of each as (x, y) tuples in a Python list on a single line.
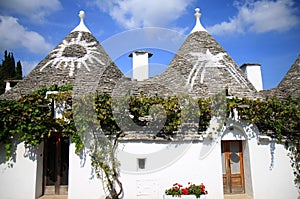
[(81, 26), (197, 14), (198, 26), (81, 14)]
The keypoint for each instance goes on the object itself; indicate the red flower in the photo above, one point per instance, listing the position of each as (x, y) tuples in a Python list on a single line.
[(185, 191), (177, 190)]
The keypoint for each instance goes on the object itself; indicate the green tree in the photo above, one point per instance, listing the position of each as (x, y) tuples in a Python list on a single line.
[(9, 70), (18, 74)]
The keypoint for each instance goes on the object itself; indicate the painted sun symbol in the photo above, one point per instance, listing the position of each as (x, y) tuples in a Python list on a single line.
[(74, 54)]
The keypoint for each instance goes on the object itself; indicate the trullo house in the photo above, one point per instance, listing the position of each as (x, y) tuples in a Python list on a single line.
[(230, 154)]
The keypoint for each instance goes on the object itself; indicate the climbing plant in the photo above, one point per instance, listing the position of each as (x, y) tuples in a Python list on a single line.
[(30, 119), (270, 115), (279, 119)]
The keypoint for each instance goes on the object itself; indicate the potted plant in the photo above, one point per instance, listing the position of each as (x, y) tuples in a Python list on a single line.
[(192, 191)]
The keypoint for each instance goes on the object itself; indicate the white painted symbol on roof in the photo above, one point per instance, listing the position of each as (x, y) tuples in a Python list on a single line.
[(208, 60), (73, 54)]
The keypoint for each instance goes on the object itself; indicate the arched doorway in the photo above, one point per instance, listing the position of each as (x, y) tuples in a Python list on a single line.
[(233, 161)]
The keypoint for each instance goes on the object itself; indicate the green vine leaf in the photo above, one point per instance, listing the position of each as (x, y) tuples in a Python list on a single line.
[(30, 119)]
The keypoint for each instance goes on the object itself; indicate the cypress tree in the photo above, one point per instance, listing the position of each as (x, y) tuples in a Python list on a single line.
[(1, 79), (4, 73), (9, 70), (8, 66), (11, 65), (18, 74)]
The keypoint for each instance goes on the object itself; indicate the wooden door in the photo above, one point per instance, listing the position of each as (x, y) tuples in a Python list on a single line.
[(56, 165), (233, 168)]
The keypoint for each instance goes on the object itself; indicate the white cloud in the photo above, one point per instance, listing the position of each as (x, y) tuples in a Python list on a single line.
[(13, 35), (137, 13), (34, 9), (260, 16)]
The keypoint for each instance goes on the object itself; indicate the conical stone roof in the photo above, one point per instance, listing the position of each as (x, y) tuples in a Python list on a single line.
[(206, 67), (290, 84), (76, 59), (200, 68)]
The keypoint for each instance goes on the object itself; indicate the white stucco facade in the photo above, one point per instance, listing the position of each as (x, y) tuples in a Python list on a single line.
[(149, 167), (188, 167), (271, 174), (22, 177), (267, 169), (83, 182)]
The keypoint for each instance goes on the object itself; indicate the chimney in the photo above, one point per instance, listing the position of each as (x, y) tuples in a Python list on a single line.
[(7, 86), (10, 83), (253, 73), (140, 66)]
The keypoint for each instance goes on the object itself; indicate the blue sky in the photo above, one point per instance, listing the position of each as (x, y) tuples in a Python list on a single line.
[(263, 31)]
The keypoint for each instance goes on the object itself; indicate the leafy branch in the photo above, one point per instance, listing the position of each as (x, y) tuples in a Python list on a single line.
[(30, 119)]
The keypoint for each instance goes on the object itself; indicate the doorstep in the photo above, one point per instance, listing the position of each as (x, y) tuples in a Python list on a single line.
[(237, 196), (54, 197)]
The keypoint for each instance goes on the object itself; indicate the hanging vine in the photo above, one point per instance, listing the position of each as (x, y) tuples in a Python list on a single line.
[(30, 119), (279, 119)]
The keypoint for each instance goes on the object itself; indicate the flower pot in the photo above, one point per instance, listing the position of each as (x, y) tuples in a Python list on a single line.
[(184, 197)]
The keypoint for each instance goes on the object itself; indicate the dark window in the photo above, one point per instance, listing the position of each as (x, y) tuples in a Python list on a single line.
[(141, 163)]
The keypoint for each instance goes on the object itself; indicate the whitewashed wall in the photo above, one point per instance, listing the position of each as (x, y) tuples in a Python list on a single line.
[(22, 178), (268, 173), (266, 166), (188, 166), (82, 181), (272, 175)]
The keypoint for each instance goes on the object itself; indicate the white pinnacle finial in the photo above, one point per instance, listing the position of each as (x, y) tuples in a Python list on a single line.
[(197, 14), (81, 15), (198, 26), (81, 27)]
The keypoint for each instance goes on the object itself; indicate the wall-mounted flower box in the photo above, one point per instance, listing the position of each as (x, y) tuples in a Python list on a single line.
[(192, 191), (184, 197)]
